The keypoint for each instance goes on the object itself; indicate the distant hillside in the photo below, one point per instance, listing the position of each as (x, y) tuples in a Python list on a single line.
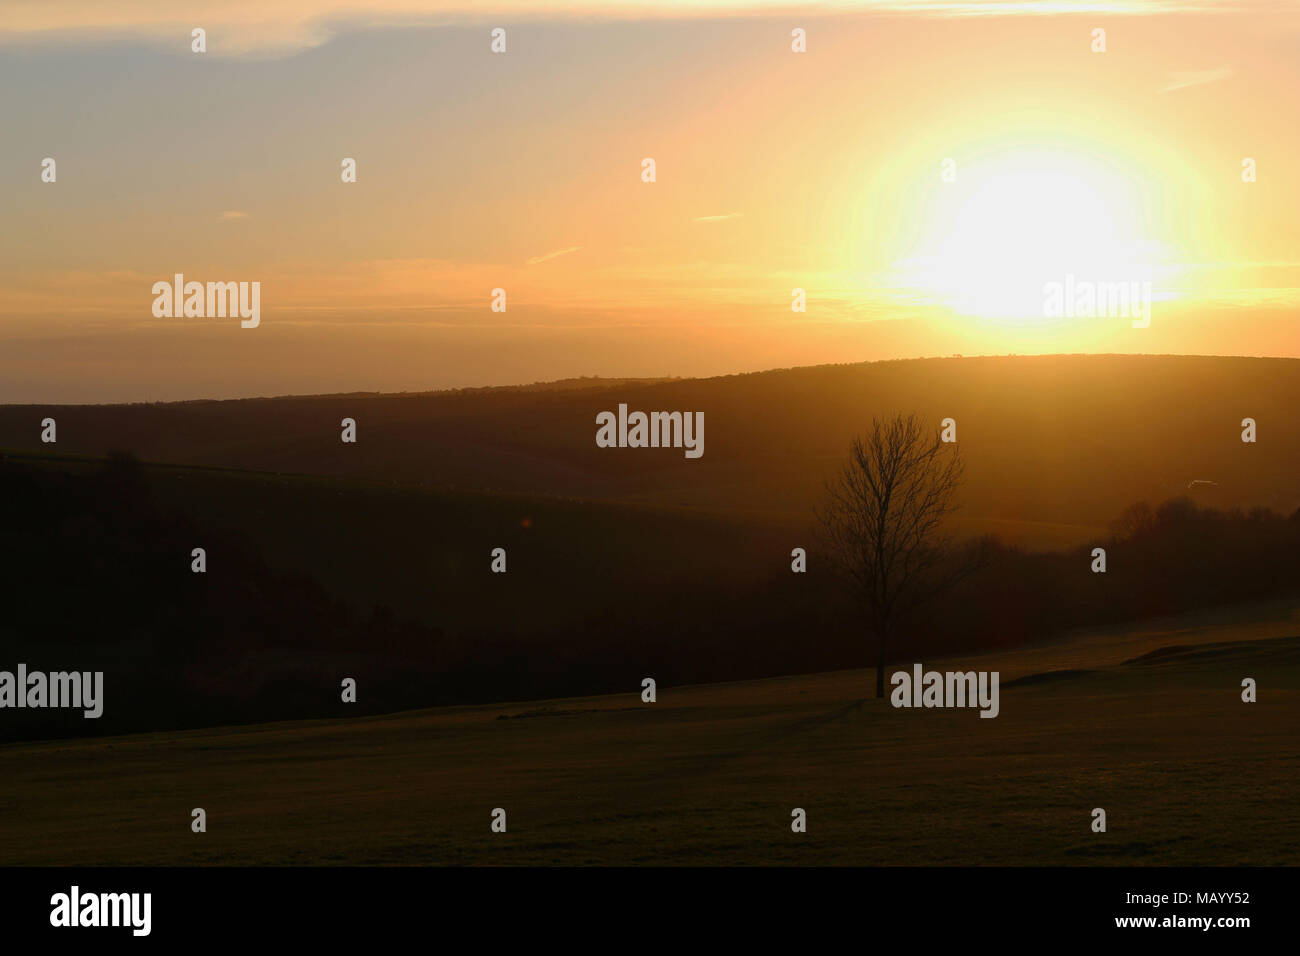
[(1055, 444)]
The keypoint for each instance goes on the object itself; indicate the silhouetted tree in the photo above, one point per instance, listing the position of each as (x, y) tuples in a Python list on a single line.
[(1136, 520), (883, 521)]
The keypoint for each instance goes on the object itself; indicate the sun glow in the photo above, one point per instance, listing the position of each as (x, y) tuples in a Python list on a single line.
[(1007, 228)]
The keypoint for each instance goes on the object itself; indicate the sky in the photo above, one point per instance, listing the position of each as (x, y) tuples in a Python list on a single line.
[(929, 174)]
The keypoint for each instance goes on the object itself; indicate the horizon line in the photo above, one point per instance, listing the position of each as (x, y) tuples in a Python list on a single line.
[(612, 381)]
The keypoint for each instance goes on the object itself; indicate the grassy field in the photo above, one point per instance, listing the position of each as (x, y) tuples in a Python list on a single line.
[(1146, 722)]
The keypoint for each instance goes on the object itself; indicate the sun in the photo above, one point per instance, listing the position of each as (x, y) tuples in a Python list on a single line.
[(1004, 229)]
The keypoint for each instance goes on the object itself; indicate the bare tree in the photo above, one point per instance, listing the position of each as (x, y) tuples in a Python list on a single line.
[(883, 522)]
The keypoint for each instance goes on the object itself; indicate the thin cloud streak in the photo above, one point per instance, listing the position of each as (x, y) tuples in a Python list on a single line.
[(260, 28), (1182, 80), (553, 255)]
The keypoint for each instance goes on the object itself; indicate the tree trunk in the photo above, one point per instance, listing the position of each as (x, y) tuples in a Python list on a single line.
[(880, 664)]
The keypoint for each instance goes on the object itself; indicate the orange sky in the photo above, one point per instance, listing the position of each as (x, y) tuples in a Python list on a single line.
[(776, 170)]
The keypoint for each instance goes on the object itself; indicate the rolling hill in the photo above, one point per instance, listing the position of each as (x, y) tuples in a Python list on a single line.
[(1055, 446)]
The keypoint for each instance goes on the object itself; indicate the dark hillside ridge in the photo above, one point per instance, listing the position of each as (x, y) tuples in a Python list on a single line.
[(1071, 438)]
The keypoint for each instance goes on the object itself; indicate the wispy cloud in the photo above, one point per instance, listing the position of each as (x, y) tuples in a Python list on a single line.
[(232, 214), (722, 218), (1182, 80), (241, 28), (553, 255)]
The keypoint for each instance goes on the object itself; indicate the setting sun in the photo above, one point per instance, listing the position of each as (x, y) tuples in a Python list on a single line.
[(1013, 223)]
